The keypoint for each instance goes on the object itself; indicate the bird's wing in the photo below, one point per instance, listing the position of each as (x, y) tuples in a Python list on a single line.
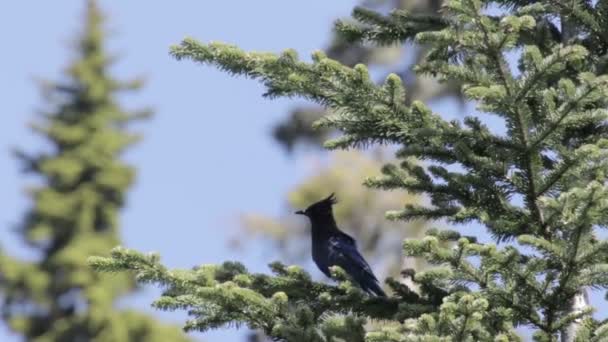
[(343, 252)]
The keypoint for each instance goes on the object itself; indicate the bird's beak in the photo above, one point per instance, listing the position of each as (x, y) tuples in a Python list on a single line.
[(300, 212)]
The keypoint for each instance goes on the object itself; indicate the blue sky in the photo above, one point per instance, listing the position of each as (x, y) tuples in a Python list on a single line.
[(207, 154)]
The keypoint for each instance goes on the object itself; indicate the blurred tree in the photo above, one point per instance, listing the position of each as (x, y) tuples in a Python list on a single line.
[(75, 211)]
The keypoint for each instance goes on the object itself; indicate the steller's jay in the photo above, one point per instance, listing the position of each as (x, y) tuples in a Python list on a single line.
[(332, 247)]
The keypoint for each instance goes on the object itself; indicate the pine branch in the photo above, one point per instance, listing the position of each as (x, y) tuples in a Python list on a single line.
[(227, 295)]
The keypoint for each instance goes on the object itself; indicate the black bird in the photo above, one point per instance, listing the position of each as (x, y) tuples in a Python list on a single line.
[(332, 247)]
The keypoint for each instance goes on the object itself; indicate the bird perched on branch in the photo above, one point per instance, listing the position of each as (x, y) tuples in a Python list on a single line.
[(332, 247)]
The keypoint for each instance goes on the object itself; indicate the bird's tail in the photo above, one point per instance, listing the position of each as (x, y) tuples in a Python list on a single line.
[(377, 290), (372, 287)]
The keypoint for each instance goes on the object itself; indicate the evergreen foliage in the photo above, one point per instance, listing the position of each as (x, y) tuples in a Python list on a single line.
[(359, 207), (297, 127), (57, 297), (539, 188)]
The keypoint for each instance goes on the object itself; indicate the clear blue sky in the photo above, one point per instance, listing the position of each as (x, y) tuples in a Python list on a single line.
[(207, 155)]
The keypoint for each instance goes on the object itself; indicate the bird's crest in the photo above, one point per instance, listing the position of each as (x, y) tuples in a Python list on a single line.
[(331, 199), (327, 202), (321, 207)]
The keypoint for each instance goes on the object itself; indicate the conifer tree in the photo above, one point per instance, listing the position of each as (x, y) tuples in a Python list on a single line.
[(360, 208), (538, 186), (74, 214), (297, 128)]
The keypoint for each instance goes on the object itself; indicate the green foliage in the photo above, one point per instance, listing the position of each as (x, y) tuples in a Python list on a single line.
[(539, 188), (288, 305), (75, 211), (297, 127), (360, 208), (399, 26)]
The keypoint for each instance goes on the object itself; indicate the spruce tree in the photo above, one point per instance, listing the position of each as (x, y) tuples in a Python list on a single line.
[(296, 128), (360, 207), (75, 210), (537, 185)]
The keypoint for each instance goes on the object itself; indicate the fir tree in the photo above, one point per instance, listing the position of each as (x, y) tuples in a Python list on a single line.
[(297, 128), (75, 211), (539, 188), (360, 207)]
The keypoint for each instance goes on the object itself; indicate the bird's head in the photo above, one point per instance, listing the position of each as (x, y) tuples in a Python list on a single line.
[(321, 208)]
